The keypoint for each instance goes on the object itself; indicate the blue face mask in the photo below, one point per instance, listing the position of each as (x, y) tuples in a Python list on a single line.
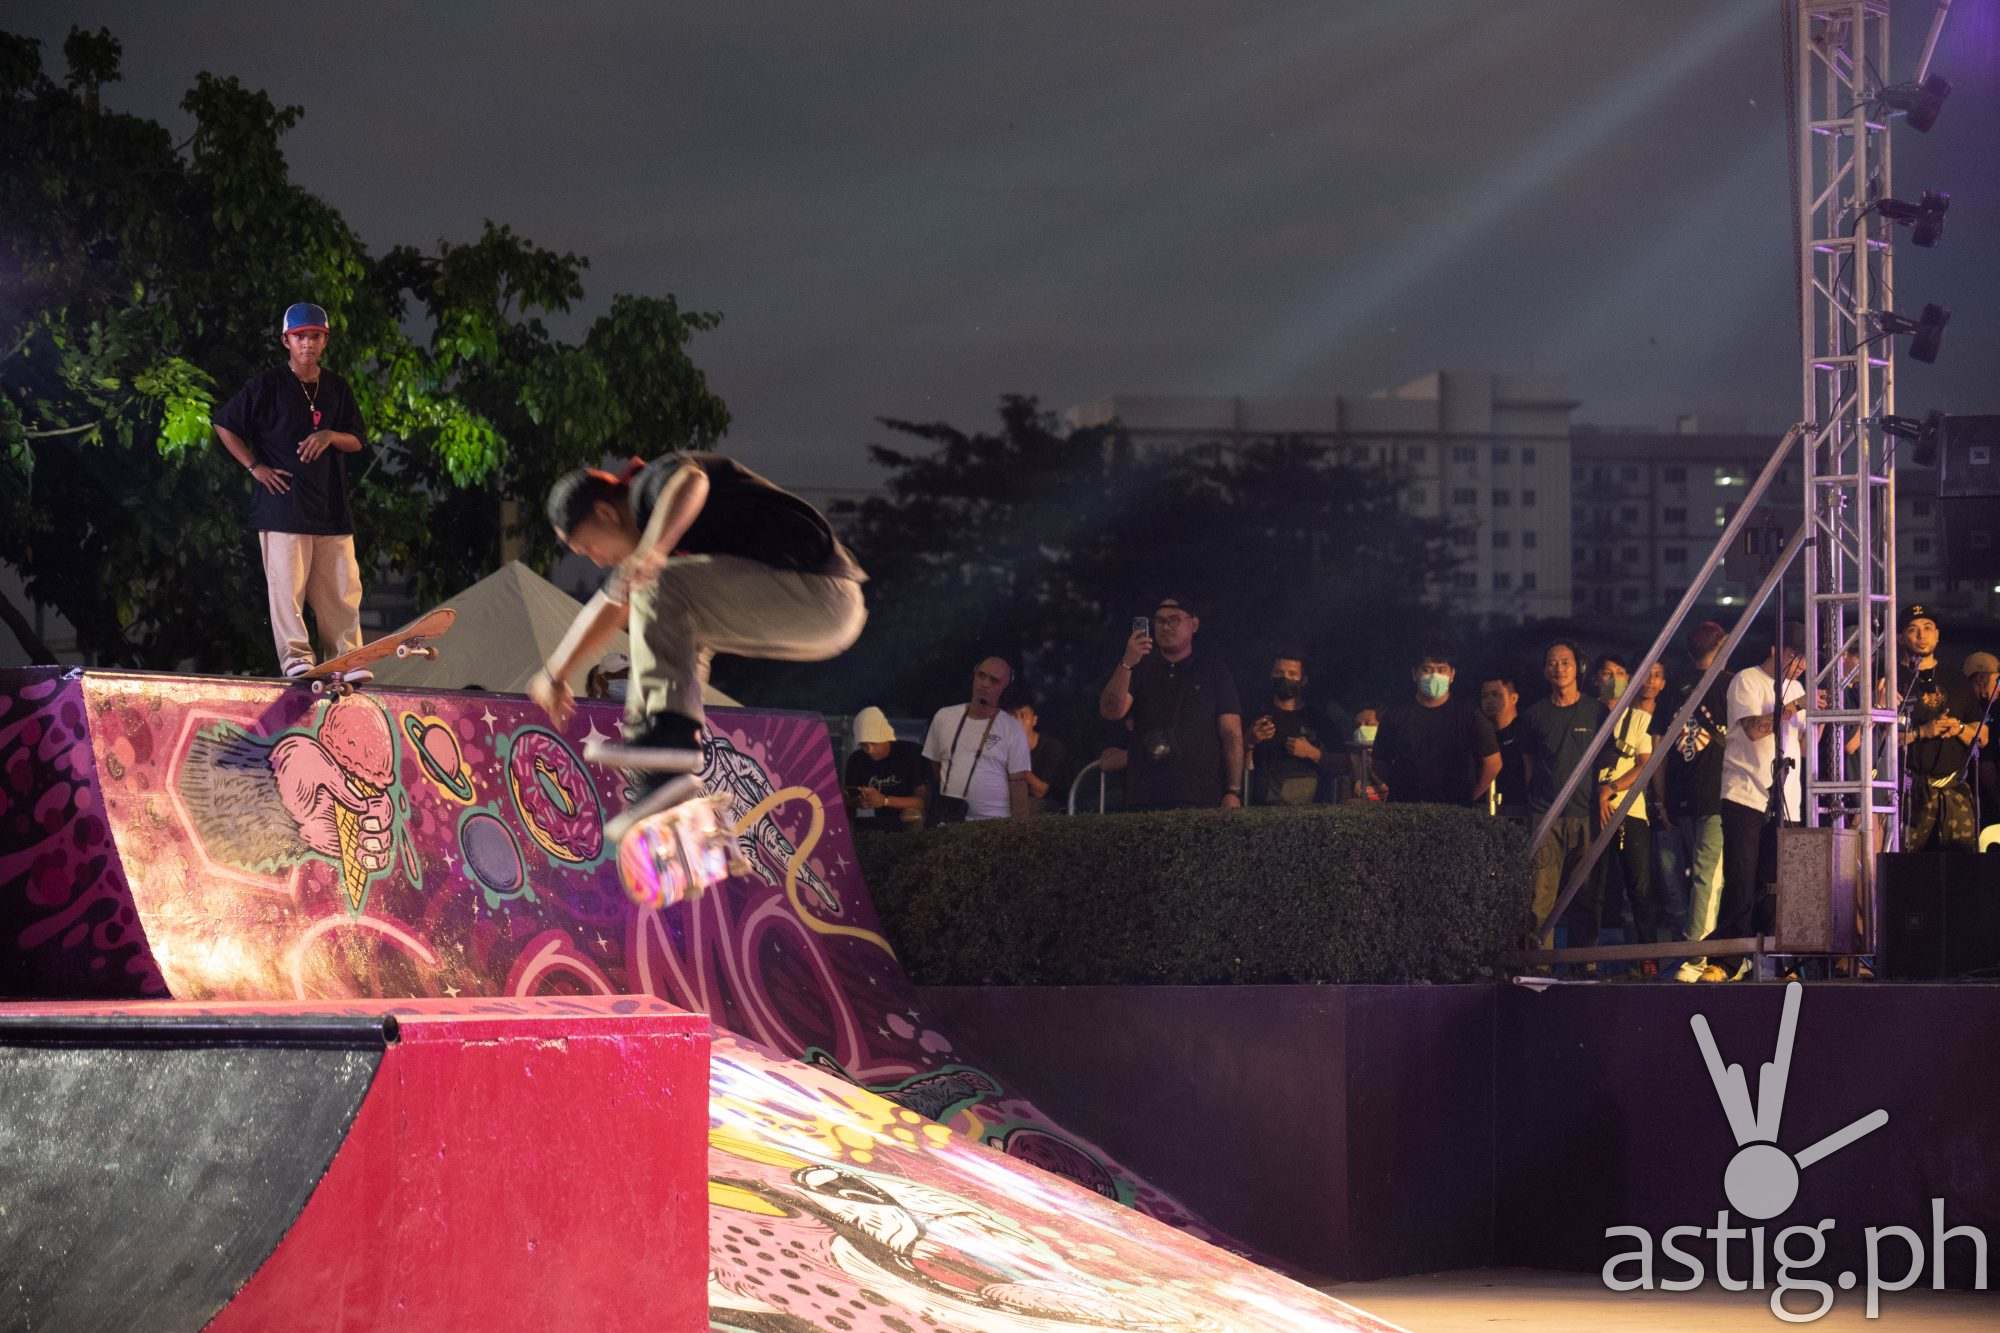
[(1433, 684)]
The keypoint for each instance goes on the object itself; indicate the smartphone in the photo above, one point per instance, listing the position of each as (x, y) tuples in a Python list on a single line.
[(1143, 625)]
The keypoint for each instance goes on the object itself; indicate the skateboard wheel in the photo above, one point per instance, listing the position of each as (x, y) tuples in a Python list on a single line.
[(402, 650), (319, 687)]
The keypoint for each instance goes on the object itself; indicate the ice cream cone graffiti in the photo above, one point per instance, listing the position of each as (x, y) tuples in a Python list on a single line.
[(335, 785)]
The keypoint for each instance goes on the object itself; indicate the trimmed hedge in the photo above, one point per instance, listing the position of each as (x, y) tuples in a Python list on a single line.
[(1273, 895)]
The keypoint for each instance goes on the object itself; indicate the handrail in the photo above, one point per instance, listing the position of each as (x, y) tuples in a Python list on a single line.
[(1577, 878), (1751, 499), (1076, 784)]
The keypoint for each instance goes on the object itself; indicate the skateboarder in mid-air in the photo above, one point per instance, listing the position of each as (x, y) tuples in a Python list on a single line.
[(707, 557)]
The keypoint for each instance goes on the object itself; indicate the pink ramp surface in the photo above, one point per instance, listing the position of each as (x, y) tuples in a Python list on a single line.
[(831, 1207)]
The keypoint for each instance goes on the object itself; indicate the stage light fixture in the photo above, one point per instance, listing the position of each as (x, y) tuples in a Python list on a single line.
[(1925, 217), (1919, 102), (1926, 331), (1922, 435)]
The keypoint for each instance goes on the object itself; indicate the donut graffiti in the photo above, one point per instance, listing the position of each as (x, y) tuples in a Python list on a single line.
[(554, 797)]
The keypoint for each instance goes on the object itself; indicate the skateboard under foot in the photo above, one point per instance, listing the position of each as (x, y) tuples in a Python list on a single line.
[(342, 673)]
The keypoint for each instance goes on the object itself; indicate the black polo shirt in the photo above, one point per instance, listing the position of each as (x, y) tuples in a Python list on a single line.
[(271, 414), (1178, 703)]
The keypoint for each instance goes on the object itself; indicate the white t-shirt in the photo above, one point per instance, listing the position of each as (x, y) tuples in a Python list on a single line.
[(1746, 764), (977, 777), (1631, 746)]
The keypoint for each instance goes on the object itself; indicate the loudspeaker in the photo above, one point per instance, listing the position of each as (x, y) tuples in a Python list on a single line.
[(1818, 870), (1969, 457), (1940, 915), (1971, 538)]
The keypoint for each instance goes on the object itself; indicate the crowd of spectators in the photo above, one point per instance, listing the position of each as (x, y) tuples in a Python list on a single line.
[(1693, 857)]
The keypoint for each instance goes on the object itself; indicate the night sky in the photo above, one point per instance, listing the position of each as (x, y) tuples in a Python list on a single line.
[(909, 209)]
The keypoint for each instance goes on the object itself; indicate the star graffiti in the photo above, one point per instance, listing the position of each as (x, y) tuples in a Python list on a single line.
[(486, 716)]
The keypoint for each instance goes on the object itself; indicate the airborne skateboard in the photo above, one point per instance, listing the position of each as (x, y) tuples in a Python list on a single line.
[(672, 843), (412, 640)]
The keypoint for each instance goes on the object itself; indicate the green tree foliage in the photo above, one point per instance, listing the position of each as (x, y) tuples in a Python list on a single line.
[(1040, 543), (141, 280)]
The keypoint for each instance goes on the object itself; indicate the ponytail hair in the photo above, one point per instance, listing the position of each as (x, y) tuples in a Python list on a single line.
[(576, 494)]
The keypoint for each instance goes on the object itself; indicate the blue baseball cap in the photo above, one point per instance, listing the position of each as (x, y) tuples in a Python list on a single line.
[(304, 315)]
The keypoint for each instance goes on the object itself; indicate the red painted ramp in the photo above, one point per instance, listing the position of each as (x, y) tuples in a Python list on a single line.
[(520, 1164)]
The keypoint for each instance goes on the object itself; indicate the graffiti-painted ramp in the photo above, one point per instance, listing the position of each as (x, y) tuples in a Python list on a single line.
[(214, 839), (833, 1208)]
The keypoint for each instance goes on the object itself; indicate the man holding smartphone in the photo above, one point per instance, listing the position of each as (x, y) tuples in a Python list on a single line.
[(1187, 724)]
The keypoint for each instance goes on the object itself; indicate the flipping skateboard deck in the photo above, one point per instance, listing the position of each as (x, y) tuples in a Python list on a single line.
[(412, 640), (672, 843)]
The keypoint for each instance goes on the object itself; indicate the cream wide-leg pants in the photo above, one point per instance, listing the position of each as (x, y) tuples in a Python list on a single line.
[(702, 605), (302, 569)]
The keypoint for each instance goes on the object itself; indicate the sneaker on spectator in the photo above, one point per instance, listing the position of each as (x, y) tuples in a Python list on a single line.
[(1691, 970)]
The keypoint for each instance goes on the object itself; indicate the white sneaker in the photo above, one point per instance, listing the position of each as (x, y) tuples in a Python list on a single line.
[(651, 759), (358, 676), (297, 669)]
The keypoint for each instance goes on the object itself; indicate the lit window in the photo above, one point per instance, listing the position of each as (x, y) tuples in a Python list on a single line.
[(1732, 475)]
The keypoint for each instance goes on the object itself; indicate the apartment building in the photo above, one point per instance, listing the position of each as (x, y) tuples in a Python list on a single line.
[(1646, 507), (1488, 452)]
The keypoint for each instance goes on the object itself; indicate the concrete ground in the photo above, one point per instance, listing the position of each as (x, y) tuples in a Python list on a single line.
[(1491, 1298)]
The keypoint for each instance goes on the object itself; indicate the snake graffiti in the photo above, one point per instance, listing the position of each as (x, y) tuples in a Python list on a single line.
[(264, 843)]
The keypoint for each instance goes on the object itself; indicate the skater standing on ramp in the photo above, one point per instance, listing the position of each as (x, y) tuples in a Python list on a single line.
[(708, 557), (292, 428)]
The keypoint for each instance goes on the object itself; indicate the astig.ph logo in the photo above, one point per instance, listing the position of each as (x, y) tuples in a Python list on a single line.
[(1762, 1179)]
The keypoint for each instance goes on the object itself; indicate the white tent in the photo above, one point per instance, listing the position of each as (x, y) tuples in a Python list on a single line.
[(508, 624)]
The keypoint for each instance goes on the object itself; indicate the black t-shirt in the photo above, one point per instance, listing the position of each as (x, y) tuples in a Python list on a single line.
[(1935, 692), (1695, 789), (1177, 704), (747, 516), (899, 774), (1277, 771), (1049, 760), (272, 414), (1558, 740), (1513, 779), (1432, 754)]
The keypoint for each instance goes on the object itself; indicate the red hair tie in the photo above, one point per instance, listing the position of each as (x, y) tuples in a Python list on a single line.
[(633, 467)]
